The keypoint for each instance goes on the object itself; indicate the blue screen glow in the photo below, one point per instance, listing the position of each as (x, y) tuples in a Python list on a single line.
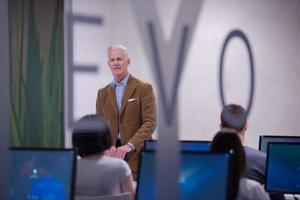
[(283, 168), (202, 176), (41, 174)]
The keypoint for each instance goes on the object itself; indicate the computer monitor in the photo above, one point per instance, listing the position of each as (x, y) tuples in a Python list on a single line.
[(203, 175), (265, 139), (283, 168), (41, 174), (186, 145)]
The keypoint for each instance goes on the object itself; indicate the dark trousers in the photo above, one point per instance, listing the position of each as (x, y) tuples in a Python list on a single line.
[(118, 143)]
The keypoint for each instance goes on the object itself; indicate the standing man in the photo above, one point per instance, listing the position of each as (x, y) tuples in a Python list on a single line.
[(128, 106)]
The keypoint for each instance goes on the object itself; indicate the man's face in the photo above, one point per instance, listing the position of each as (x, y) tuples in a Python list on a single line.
[(118, 64)]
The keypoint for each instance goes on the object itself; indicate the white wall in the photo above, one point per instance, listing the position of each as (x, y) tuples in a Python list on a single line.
[(272, 27)]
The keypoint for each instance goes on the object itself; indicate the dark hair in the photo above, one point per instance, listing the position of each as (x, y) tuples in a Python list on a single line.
[(234, 116), (91, 135), (229, 142)]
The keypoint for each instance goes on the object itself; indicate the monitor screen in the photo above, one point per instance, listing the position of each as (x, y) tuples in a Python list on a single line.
[(265, 139), (203, 175), (283, 168), (45, 174), (184, 145)]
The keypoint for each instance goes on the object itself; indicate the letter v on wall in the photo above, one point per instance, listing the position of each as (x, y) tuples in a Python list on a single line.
[(167, 59)]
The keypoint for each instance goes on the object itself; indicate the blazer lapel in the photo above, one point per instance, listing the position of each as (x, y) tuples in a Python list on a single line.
[(112, 95), (131, 85)]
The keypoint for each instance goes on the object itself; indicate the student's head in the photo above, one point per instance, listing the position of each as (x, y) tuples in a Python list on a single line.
[(229, 142), (234, 116), (91, 135)]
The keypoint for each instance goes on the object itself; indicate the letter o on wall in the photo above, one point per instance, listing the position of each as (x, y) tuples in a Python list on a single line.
[(233, 121)]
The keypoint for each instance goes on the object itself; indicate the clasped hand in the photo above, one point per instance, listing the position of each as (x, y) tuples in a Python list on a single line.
[(119, 152)]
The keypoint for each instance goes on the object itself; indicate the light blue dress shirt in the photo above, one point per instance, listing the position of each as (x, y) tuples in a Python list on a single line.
[(120, 89)]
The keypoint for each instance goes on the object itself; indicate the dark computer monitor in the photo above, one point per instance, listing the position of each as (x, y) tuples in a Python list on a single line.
[(283, 168), (203, 175), (41, 174), (186, 145), (265, 139)]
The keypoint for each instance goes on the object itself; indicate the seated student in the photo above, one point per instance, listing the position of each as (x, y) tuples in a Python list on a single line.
[(98, 174), (255, 160), (243, 188)]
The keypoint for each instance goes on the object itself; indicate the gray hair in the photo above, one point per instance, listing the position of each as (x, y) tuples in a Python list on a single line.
[(118, 46)]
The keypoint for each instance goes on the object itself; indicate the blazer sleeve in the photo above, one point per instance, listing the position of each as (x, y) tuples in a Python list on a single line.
[(99, 110), (148, 124)]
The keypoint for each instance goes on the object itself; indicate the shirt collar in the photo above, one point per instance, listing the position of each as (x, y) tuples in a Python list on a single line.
[(123, 82)]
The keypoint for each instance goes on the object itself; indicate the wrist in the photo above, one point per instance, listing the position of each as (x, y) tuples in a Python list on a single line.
[(130, 146)]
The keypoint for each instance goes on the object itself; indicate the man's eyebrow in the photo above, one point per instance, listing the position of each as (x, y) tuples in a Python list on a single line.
[(117, 58)]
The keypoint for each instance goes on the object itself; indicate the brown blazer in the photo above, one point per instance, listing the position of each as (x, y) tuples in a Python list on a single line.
[(137, 120)]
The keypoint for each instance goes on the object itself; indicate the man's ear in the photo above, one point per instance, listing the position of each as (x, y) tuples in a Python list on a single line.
[(128, 60)]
